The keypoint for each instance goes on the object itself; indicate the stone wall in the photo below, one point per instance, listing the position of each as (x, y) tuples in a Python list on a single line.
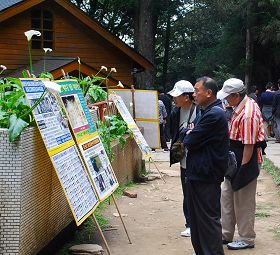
[(33, 209)]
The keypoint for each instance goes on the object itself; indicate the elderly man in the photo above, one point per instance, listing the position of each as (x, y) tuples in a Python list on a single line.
[(207, 143), (182, 115), (246, 131)]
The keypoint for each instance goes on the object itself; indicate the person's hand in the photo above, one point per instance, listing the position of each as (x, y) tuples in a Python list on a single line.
[(190, 128)]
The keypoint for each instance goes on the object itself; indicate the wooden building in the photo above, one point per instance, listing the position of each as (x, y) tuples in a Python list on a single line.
[(70, 33)]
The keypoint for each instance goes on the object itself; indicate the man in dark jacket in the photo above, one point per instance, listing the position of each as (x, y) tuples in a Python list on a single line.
[(207, 157), (276, 113)]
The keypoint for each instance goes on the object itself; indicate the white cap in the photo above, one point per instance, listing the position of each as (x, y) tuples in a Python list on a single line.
[(231, 86), (181, 87)]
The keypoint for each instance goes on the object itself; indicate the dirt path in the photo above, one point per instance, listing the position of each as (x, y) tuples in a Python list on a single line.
[(155, 219)]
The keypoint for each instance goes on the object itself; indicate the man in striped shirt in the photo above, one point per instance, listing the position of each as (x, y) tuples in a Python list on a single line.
[(246, 132)]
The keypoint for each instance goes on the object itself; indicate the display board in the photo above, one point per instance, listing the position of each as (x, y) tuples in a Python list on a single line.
[(61, 147), (86, 135), (76, 109), (99, 166), (139, 138), (146, 112)]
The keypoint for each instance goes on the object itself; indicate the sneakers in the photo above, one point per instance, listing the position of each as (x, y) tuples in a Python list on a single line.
[(186, 233), (226, 241), (239, 245)]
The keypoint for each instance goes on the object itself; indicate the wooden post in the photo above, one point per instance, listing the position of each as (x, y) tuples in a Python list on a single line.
[(101, 234), (121, 218)]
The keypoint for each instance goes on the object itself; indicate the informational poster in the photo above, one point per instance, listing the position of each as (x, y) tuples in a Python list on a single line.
[(99, 166), (51, 121), (76, 183), (139, 138), (71, 171), (145, 104), (76, 109), (91, 148)]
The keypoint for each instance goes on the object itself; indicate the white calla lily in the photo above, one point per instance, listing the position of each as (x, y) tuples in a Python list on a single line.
[(52, 86), (113, 69), (79, 60), (120, 85), (103, 68), (3, 67), (29, 34), (47, 50)]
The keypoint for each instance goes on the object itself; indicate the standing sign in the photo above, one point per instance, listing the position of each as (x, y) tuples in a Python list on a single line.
[(139, 138), (62, 150), (146, 112), (92, 150)]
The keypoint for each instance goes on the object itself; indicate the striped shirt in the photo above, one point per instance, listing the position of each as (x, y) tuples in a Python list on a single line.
[(247, 123)]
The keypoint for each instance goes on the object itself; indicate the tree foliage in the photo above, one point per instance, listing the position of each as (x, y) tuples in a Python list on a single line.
[(195, 38)]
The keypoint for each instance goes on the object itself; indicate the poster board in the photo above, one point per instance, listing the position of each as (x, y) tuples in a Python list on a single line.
[(146, 112), (88, 140), (61, 147), (139, 138)]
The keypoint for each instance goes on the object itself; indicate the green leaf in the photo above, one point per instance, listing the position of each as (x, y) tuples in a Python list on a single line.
[(25, 74), (16, 126)]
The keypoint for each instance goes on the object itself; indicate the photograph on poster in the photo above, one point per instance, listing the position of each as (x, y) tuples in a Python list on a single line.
[(79, 115), (74, 110), (75, 182), (99, 166)]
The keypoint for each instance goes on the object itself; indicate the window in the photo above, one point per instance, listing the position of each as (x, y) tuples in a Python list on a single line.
[(42, 21)]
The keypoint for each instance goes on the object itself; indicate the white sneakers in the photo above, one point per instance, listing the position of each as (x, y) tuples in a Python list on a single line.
[(186, 233)]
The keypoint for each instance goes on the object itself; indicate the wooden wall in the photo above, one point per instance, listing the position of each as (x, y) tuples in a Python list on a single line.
[(72, 38)]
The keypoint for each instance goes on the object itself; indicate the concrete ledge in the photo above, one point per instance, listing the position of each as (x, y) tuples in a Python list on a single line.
[(33, 208)]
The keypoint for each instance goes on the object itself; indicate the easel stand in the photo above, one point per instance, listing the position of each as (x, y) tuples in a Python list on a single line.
[(151, 160), (115, 202), (101, 234)]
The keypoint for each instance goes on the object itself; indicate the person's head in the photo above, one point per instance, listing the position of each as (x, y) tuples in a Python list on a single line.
[(182, 93), (269, 85), (205, 91), (233, 91), (252, 89)]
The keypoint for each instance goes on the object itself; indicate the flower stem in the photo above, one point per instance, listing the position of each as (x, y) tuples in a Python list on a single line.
[(30, 57)]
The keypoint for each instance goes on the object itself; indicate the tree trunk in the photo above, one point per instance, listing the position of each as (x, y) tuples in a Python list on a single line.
[(145, 27), (249, 43), (166, 52)]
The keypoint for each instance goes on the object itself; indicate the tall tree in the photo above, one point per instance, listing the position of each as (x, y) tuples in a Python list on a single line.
[(144, 38)]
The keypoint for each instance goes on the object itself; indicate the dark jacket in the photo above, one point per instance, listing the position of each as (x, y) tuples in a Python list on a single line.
[(276, 104), (208, 146), (247, 172), (174, 127)]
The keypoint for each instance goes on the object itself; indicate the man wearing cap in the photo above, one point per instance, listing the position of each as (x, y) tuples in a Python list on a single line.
[(184, 113), (246, 131), (206, 163)]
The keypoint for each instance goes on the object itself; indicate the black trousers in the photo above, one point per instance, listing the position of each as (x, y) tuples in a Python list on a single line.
[(205, 214), (162, 137), (185, 201)]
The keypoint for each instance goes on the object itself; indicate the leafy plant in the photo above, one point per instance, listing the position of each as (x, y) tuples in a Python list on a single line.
[(88, 82), (97, 94), (15, 114), (113, 127)]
